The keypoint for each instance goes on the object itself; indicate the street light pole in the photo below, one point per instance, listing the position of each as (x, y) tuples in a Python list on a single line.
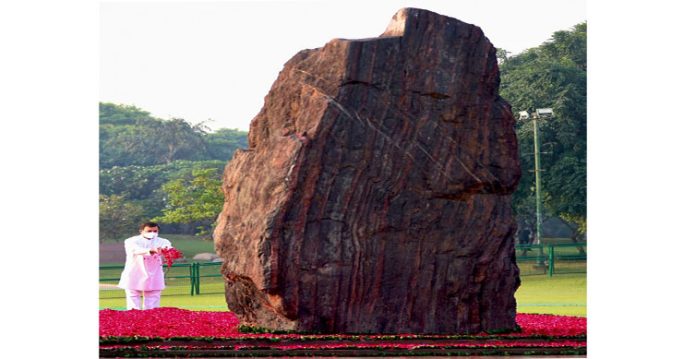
[(537, 181), (541, 113)]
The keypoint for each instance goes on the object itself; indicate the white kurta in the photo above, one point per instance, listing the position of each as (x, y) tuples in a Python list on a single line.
[(143, 271)]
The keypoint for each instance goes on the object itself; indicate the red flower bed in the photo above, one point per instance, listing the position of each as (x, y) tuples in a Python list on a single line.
[(167, 323), (551, 325), (174, 322)]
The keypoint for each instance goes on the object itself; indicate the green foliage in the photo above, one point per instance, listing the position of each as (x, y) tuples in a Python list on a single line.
[(195, 198), (131, 136), (118, 218), (578, 220), (120, 135), (173, 140), (140, 182), (113, 114), (139, 153), (148, 141), (222, 143), (502, 55), (552, 75), (142, 185)]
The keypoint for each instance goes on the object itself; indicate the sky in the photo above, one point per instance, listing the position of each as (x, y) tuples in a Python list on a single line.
[(215, 61)]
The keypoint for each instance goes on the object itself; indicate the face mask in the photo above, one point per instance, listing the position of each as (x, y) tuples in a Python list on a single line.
[(150, 235)]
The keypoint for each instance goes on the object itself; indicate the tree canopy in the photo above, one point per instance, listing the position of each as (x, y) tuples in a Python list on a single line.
[(143, 158), (131, 136), (196, 198), (552, 75)]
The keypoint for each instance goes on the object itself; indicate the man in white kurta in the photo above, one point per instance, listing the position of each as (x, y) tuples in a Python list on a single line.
[(143, 275)]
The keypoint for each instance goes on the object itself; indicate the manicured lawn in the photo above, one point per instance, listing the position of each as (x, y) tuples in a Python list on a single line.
[(178, 291), (564, 294), (214, 302)]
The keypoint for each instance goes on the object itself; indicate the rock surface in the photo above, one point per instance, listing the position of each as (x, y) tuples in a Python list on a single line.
[(375, 195)]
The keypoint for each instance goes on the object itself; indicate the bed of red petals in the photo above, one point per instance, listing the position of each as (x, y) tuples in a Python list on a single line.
[(171, 329), (550, 325), (167, 323), (174, 322)]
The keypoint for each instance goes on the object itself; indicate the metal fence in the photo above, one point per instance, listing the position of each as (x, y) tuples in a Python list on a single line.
[(551, 259), (180, 279), (205, 278)]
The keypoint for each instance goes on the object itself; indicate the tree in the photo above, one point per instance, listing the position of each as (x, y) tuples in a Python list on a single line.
[(131, 136), (552, 75), (120, 137), (502, 55), (222, 143), (117, 217), (174, 140), (150, 142), (197, 198), (141, 185), (139, 153), (113, 114)]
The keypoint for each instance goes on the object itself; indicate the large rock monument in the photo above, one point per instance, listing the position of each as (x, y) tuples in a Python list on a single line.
[(375, 195)]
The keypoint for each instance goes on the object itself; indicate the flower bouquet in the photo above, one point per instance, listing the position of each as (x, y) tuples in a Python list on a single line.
[(170, 254)]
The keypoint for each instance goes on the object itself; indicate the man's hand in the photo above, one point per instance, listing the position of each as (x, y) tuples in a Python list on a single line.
[(154, 250)]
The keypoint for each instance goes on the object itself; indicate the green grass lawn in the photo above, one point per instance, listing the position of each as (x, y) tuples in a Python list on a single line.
[(564, 294), (212, 298)]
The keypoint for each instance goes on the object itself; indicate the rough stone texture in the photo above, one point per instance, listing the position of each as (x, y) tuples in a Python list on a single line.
[(375, 193)]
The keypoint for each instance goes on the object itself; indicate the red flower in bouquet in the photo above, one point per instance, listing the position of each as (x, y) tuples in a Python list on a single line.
[(170, 254)]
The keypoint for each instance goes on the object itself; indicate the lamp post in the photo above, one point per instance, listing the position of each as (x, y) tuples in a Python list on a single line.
[(541, 113)]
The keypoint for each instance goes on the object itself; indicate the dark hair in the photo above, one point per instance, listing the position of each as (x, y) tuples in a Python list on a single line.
[(149, 224)]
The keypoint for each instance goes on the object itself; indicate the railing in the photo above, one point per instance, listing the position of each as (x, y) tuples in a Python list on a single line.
[(180, 278), (551, 259), (186, 278)]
